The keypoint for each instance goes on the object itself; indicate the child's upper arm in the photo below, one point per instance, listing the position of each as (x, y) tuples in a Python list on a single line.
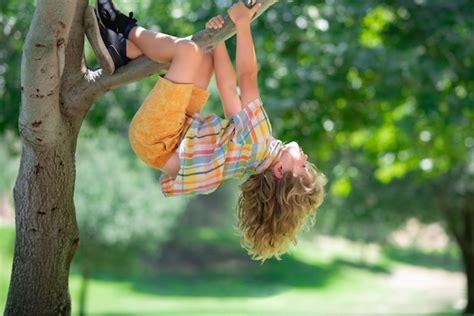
[(230, 100), (248, 87)]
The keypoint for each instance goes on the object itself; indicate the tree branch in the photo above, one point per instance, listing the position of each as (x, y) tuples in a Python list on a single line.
[(75, 67), (96, 83)]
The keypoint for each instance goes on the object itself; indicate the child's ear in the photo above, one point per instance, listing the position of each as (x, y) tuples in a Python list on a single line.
[(277, 169)]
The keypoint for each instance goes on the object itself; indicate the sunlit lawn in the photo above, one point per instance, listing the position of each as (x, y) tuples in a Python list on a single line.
[(355, 292), (298, 285)]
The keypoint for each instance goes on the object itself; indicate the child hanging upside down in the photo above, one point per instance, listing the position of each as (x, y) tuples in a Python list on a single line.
[(196, 153)]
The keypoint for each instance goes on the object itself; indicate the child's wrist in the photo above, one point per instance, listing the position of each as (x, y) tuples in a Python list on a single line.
[(242, 28), (242, 24)]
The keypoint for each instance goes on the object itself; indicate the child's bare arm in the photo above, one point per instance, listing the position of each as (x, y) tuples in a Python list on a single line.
[(246, 60), (225, 75), (226, 81)]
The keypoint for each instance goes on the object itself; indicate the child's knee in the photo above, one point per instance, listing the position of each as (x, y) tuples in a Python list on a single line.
[(189, 48)]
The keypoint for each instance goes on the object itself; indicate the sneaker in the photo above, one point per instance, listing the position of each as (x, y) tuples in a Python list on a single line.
[(105, 43), (113, 19)]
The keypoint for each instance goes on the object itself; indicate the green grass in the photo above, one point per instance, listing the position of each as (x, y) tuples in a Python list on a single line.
[(7, 242), (351, 291), (309, 282), (129, 298)]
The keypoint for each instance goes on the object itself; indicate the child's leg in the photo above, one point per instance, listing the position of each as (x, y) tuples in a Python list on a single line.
[(157, 46), (202, 76), (132, 50), (185, 62), (201, 80), (157, 125), (184, 55)]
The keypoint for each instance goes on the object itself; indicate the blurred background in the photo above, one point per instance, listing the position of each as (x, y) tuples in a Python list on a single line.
[(380, 96)]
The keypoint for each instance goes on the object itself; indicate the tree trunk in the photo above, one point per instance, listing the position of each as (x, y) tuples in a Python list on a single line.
[(468, 260), (467, 246), (458, 208), (47, 234), (83, 293), (46, 230), (57, 92)]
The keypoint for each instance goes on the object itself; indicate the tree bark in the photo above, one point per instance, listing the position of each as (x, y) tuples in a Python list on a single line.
[(57, 91), (455, 194), (47, 234), (466, 245), (468, 250), (468, 260)]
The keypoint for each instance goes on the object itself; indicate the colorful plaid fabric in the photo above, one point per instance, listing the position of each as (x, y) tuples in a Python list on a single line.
[(215, 149)]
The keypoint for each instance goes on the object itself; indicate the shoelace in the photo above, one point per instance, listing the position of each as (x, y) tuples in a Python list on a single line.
[(130, 15)]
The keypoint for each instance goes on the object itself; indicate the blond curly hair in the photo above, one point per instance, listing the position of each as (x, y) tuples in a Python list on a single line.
[(272, 211)]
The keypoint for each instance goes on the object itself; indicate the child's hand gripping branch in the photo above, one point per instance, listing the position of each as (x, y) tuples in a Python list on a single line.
[(196, 153)]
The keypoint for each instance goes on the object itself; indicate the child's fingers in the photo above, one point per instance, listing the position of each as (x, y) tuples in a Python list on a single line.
[(210, 25), (218, 23), (255, 8), (215, 22)]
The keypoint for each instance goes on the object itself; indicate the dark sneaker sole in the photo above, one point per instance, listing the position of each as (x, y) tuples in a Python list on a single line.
[(110, 6), (114, 19), (97, 10), (106, 61)]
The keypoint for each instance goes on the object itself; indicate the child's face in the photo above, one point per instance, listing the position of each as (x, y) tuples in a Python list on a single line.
[(292, 159)]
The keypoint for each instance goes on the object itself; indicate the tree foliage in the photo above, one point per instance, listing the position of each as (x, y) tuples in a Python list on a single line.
[(119, 202)]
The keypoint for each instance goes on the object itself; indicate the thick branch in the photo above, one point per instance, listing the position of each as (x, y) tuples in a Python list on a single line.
[(42, 68), (74, 63), (208, 39), (97, 83)]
